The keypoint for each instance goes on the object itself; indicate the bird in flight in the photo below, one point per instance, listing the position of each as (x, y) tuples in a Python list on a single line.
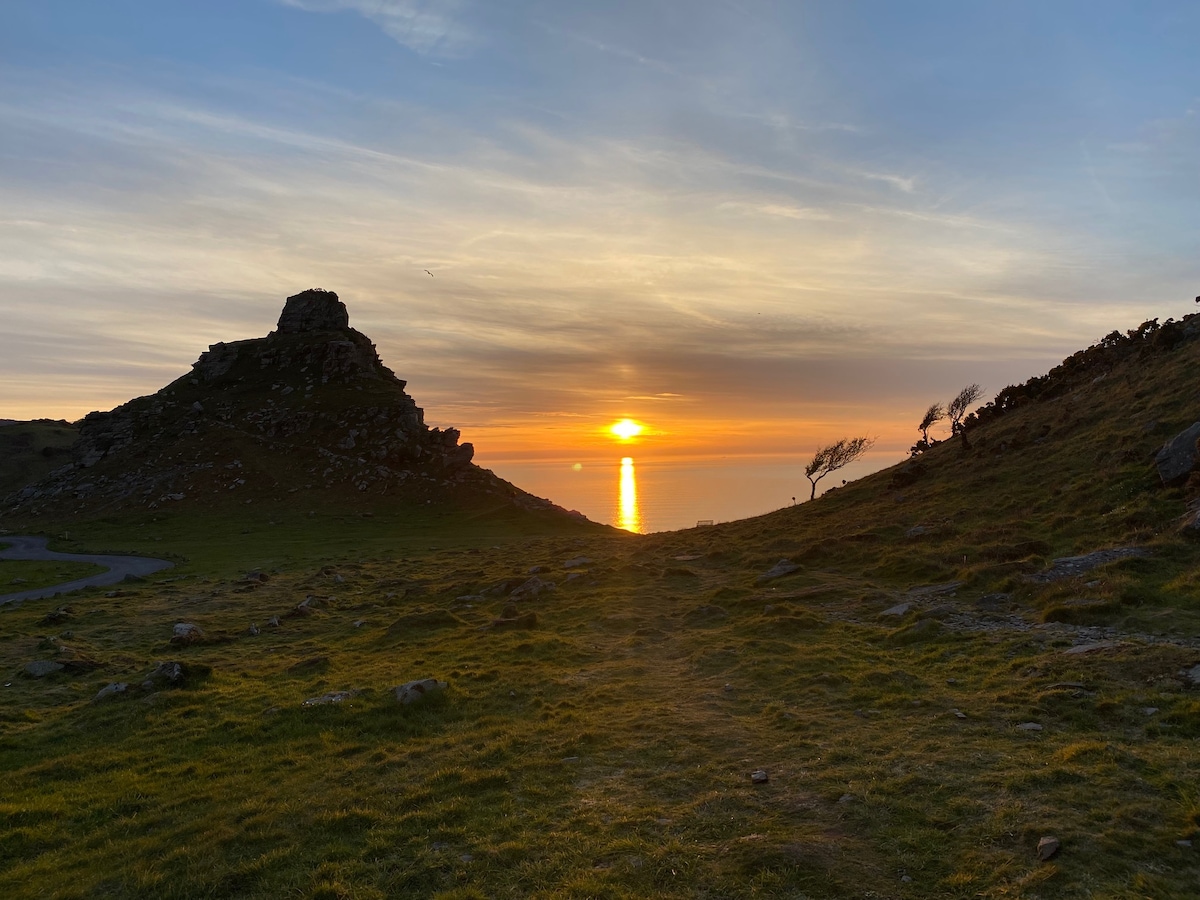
[(427, 272)]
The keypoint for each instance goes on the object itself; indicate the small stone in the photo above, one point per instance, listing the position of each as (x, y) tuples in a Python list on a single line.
[(1029, 726), (40, 668), (1047, 847), (1186, 845), (330, 698), (252, 630), (958, 713), (900, 609), (570, 759), (577, 562), (273, 622), (1149, 710), (359, 623), (536, 570), (729, 688), (907, 879), (759, 776), (845, 798)]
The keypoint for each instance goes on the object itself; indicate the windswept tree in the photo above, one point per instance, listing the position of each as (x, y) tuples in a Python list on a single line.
[(936, 413), (833, 457), (958, 408), (959, 405)]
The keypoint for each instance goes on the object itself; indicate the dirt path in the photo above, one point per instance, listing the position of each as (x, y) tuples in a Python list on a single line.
[(27, 547)]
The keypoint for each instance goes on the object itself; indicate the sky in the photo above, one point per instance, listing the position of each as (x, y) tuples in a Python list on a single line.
[(752, 226)]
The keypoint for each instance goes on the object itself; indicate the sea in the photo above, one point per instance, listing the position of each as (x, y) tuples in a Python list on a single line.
[(649, 495)]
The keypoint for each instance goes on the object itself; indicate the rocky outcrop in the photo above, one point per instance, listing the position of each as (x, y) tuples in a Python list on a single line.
[(313, 310), (310, 406)]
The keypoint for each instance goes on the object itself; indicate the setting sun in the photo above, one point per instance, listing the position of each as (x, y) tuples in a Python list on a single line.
[(626, 429)]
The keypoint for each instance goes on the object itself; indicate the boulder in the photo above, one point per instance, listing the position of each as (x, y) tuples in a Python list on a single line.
[(40, 668), (109, 691), (168, 673), (413, 691), (187, 633), (532, 588), (1177, 457)]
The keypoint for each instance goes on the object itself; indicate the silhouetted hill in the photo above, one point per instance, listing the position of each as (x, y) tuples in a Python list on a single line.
[(308, 412)]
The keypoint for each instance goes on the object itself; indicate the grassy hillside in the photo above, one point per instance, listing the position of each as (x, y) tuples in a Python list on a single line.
[(928, 694), (29, 451)]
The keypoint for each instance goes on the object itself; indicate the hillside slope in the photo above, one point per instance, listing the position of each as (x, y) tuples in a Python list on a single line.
[(899, 690), (1061, 466)]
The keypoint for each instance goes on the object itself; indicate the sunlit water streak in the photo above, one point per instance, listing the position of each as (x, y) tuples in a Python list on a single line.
[(629, 514), (672, 493)]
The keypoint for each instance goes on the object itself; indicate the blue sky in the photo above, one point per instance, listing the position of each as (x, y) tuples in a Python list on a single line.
[(750, 224)]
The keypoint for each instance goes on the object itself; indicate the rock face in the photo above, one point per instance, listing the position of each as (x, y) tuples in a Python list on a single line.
[(313, 310), (309, 407)]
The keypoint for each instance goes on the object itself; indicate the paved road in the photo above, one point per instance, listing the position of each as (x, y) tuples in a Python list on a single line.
[(24, 547)]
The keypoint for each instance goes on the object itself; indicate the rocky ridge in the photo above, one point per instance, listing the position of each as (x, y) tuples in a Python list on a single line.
[(308, 407)]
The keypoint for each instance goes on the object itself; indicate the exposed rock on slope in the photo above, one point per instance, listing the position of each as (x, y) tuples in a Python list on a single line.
[(309, 407)]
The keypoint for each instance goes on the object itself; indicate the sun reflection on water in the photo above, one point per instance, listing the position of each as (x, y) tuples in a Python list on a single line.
[(629, 514)]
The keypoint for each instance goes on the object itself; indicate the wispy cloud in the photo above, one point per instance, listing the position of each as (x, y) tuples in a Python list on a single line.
[(580, 273), (431, 27)]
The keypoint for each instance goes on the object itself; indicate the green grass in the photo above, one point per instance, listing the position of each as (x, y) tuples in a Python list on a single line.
[(607, 752), (25, 575)]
